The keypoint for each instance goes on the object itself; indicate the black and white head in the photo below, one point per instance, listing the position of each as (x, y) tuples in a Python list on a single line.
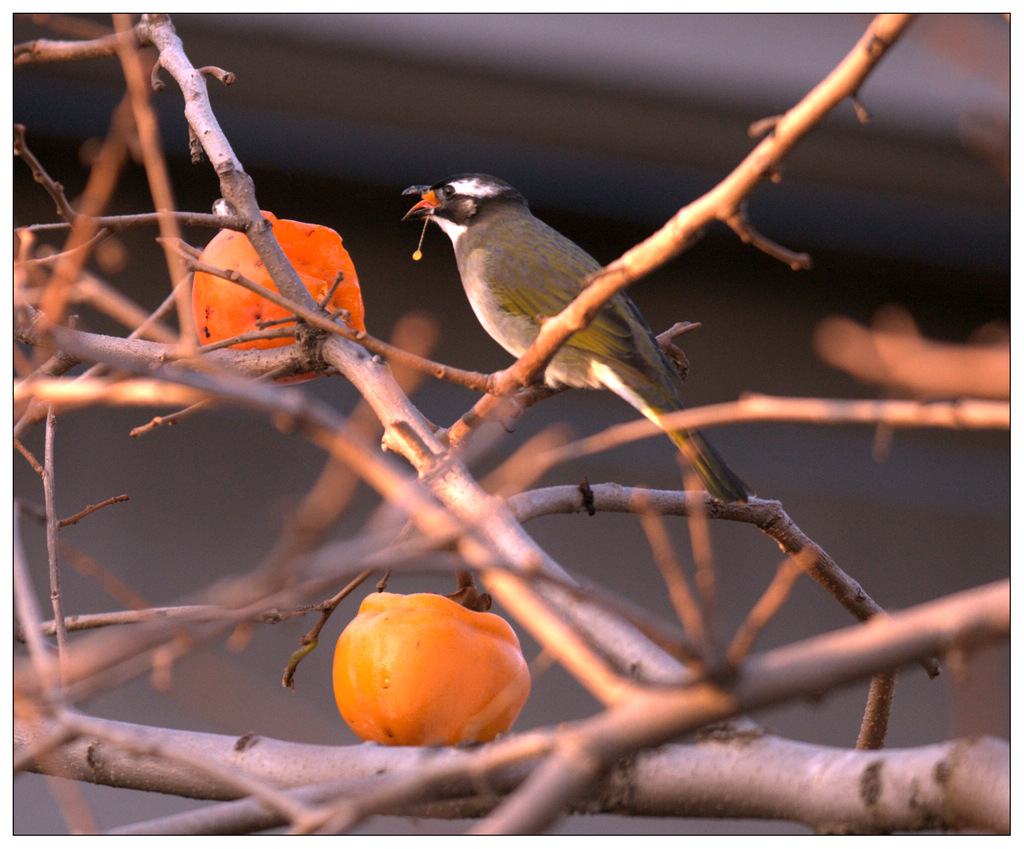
[(456, 203)]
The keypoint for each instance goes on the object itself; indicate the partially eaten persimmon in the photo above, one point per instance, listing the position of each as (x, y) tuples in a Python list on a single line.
[(422, 670), (223, 309)]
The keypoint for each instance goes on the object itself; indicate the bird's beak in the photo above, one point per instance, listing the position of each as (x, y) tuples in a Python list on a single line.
[(427, 204)]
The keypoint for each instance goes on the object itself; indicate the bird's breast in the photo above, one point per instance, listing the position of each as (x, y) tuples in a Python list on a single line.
[(513, 330)]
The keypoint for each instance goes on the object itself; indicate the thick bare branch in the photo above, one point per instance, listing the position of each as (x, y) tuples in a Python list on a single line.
[(971, 618), (236, 185), (971, 773)]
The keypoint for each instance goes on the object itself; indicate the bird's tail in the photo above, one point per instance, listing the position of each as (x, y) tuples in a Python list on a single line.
[(719, 479), (655, 399)]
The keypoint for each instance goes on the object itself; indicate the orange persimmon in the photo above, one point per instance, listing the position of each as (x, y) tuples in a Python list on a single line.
[(422, 670), (223, 309)]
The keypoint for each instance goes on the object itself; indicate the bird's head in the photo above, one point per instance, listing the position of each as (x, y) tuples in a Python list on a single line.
[(454, 204)]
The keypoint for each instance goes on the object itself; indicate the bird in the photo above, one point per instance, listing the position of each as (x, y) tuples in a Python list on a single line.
[(518, 271)]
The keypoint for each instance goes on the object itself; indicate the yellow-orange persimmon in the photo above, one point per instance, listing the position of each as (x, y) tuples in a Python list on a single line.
[(223, 309), (422, 670)]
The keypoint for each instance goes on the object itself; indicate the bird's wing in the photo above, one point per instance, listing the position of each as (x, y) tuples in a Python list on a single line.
[(535, 273)]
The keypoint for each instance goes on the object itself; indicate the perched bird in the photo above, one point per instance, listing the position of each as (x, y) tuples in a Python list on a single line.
[(517, 270)]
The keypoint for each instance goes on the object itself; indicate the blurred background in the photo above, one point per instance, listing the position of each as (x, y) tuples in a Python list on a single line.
[(608, 124)]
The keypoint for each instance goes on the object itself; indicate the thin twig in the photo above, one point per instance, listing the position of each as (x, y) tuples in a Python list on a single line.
[(187, 613), (88, 567), (875, 724), (120, 223), (679, 592), (172, 418), (767, 606), (52, 525), (147, 126), (27, 612), (39, 174), (740, 224), (28, 455), (103, 176), (92, 508), (311, 639), (965, 413), (219, 74), (48, 50), (704, 573)]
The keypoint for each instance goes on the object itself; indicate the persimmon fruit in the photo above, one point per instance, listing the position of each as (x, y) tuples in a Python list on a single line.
[(422, 670), (223, 309)]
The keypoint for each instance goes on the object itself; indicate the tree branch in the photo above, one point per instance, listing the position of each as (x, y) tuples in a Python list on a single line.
[(766, 515), (922, 796), (682, 230), (961, 414), (49, 50), (892, 353), (812, 666), (236, 186)]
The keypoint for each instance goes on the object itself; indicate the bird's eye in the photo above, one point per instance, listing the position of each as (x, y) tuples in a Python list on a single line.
[(448, 190)]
